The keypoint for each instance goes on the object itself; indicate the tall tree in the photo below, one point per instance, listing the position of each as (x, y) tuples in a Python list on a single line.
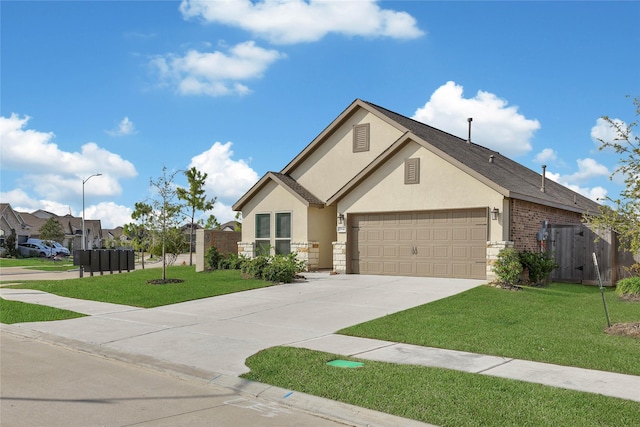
[(52, 230), (196, 200), (139, 232), (166, 213), (623, 216)]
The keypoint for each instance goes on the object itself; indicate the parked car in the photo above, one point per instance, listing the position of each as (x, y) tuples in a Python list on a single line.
[(56, 248), (35, 249)]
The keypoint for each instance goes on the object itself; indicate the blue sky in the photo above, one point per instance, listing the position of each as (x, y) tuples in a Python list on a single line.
[(238, 88)]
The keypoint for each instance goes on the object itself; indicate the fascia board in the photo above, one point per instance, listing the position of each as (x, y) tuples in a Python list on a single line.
[(544, 202)]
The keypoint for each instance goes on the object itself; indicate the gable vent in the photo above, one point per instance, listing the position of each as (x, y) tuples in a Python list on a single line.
[(412, 171), (361, 138)]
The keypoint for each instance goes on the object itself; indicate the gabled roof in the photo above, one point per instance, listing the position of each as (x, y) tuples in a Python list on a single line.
[(288, 183), (504, 175)]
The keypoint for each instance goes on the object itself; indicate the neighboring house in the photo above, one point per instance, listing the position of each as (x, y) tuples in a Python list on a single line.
[(117, 237), (27, 225), (379, 193), (12, 221), (230, 226)]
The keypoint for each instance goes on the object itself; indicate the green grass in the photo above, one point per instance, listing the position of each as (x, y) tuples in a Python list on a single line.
[(132, 288), (38, 263), (561, 324), (438, 396), (18, 312)]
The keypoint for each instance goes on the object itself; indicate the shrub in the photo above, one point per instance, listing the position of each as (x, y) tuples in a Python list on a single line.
[(508, 267), (282, 268), (274, 268), (538, 264), (212, 257), (629, 286), (231, 261), (254, 267)]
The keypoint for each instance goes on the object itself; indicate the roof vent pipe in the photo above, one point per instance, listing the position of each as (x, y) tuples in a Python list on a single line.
[(491, 157), (544, 174), (469, 120)]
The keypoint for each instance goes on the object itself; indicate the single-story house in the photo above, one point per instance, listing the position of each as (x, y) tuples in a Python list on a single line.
[(379, 193)]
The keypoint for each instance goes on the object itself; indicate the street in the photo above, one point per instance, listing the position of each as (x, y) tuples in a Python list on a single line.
[(47, 385)]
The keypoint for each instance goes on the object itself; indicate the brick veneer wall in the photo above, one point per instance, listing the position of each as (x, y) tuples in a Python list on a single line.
[(224, 241), (526, 221)]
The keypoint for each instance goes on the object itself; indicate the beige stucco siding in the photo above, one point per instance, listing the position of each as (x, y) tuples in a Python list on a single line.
[(322, 229), (271, 199), (334, 163), (442, 186)]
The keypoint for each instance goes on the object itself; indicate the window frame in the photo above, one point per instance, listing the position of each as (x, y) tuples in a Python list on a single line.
[(277, 230), (262, 242)]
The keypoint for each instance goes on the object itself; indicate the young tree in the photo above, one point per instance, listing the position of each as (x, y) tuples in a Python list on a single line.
[(166, 213), (52, 230), (139, 232), (196, 200), (624, 215)]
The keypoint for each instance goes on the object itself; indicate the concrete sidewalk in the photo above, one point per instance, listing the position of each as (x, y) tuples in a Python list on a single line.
[(218, 334)]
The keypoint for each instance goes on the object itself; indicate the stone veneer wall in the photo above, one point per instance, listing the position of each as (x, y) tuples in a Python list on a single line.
[(246, 249), (309, 252), (340, 257), (493, 249), (526, 221)]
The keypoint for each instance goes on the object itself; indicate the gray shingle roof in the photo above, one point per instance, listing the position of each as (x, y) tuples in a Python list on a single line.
[(520, 181), (298, 189)]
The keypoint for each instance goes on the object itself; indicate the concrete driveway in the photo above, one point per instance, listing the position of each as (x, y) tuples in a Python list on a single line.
[(218, 334)]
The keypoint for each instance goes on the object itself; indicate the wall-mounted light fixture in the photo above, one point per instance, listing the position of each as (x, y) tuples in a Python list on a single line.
[(341, 219), (494, 213)]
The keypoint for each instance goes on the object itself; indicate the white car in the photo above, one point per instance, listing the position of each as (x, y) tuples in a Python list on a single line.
[(55, 247), (35, 249)]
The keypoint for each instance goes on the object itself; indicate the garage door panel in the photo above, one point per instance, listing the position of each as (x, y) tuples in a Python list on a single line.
[(404, 243)]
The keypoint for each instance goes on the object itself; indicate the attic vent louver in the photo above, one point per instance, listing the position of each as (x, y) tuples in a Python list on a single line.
[(470, 119)]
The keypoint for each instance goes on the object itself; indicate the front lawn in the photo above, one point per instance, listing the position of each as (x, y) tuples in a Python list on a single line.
[(561, 324), (132, 288), (18, 312), (47, 264), (438, 396)]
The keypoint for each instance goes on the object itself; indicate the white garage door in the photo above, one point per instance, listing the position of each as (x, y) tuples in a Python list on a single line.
[(448, 243)]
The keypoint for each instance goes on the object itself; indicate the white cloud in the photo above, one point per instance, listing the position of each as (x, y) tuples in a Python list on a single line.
[(110, 214), (587, 169), (215, 73), (227, 179), (298, 21), (125, 127), (55, 174), (546, 155), (606, 131), (495, 124)]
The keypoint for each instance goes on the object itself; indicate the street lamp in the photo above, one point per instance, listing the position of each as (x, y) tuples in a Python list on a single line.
[(84, 239)]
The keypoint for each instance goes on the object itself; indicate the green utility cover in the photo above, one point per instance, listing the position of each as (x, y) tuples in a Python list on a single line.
[(345, 364)]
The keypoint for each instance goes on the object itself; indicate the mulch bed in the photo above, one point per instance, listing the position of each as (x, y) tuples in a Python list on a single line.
[(164, 282), (625, 329)]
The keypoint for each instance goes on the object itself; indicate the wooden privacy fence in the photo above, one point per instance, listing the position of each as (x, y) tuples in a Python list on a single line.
[(572, 247)]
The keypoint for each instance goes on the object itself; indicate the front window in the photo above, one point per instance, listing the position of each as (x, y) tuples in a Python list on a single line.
[(283, 233), (263, 233)]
